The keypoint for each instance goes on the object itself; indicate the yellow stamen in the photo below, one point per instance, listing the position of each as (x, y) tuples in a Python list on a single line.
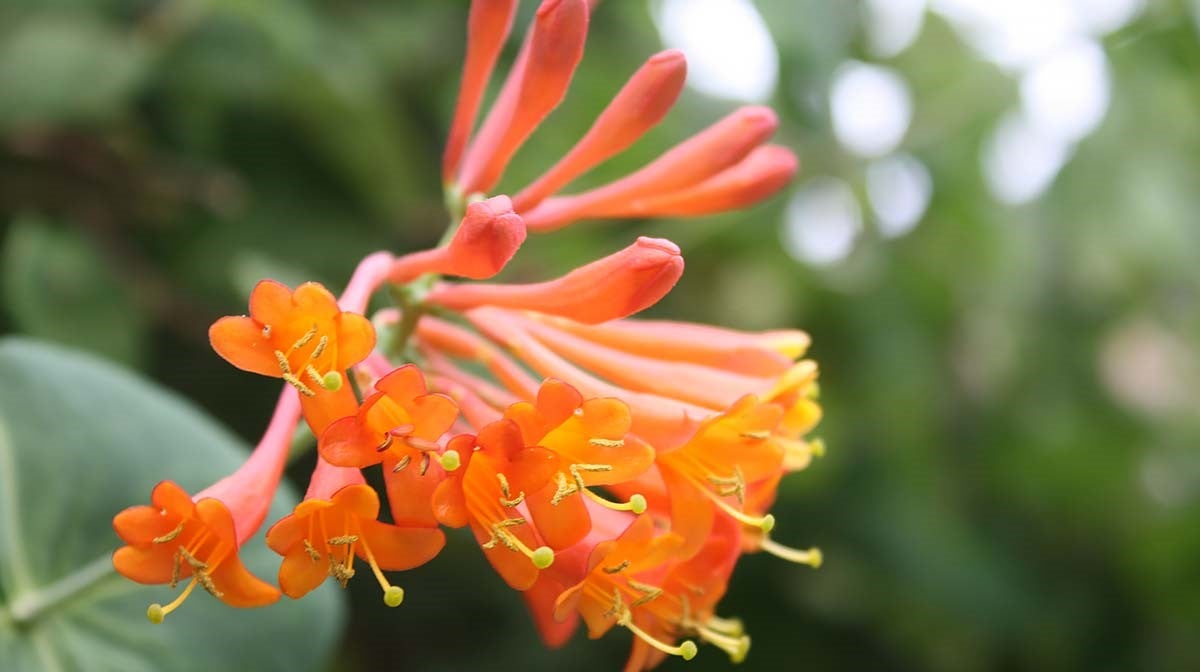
[(542, 557), (736, 646), (169, 536), (312, 552), (636, 503), (811, 557), (617, 569), (606, 443), (731, 486), (727, 626), (450, 460), (685, 650), (392, 595), (507, 500), (157, 612), (757, 435), (765, 523), (321, 345), (404, 462), (649, 592), (304, 340)]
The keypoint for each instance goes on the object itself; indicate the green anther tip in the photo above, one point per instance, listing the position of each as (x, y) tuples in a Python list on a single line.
[(687, 650), (637, 504), (155, 613), (393, 596), (332, 381), (768, 523), (543, 557), (450, 460)]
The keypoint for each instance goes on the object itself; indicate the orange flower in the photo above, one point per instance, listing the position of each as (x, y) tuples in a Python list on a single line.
[(302, 337), (686, 608), (400, 423), (335, 522), (616, 286), (591, 445), (486, 492), (621, 584), (179, 537)]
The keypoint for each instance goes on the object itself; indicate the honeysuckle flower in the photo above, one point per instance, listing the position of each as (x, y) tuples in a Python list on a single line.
[(303, 337), (687, 605), (336, 522), (484, 242), (487, 492), (196, 539), (591, 447), (615, 286), (621, 583)]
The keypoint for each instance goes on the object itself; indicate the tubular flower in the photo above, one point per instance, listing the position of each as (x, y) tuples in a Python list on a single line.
[(179, 538), (721, 168), (303, 337), (686, 608), (591, 447), (487, 493), (337, 521), (621, 583), (486, 239), (400, 424)]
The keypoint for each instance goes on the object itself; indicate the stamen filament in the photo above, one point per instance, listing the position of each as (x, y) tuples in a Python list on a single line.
[(636, 503), (765, 523), (728, 626), (685, 650), (811, 557), (736, 647), (157, 612), (392, 595)]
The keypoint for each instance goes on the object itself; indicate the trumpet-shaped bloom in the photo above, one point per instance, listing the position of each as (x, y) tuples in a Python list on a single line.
[(591, 446), (336, 522), (303, 337), (401, 421), (176, 539), (487, 492), (621, 584)]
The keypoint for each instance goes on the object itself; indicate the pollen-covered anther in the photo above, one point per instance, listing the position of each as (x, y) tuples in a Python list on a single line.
[(618, 568), (311, 551), (169, 536), (606, 443), (506, 499), (574, 484), (734, 486), (330, 380), (649, 592), (757, 435), (624, 616), (811, 557), (542, 557)]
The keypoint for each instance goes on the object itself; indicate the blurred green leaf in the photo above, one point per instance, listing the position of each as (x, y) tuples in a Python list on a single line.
[(63, 67), (58, 287), (79, 441)]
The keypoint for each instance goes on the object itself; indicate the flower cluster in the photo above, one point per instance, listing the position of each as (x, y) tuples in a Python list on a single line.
[(613, 470)]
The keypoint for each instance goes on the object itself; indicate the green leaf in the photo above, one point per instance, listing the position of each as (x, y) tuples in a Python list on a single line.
[(59, 288), (79, 441), (63, 67)]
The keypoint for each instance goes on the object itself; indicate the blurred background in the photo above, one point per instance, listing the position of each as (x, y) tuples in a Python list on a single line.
[(994, 242)]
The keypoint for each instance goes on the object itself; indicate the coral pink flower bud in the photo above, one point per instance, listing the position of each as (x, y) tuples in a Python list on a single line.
[(617, 285), (639, 106), (489, 236), (536, 85)]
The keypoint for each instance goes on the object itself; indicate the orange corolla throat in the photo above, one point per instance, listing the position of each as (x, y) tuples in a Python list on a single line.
[(339, 536), (500, 525), (190, 544), (175, 539), (293, 362)]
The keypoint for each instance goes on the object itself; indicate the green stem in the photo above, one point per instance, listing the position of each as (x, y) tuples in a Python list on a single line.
[(30, 606)]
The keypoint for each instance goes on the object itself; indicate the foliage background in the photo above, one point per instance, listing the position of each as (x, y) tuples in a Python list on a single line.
[(1013, 480)]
